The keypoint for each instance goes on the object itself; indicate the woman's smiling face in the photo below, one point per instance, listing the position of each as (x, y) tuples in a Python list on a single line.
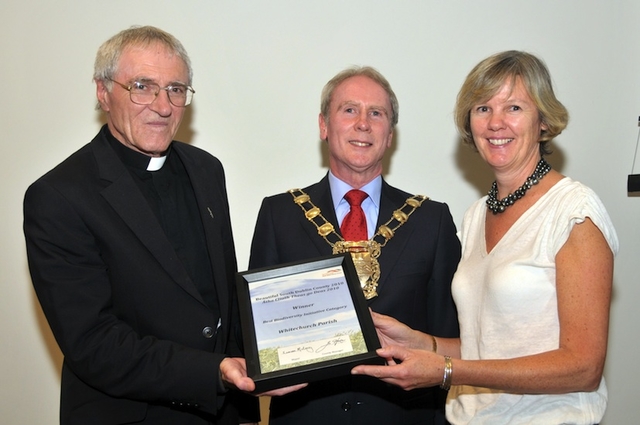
[(506, 129)]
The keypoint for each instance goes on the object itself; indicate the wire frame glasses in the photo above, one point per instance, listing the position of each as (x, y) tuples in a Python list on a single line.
[(144, 93)]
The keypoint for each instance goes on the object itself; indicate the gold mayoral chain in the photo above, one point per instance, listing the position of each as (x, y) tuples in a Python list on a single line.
[(364, 253)]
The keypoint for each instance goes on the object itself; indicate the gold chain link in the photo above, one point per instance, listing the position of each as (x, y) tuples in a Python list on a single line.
[(363, 253), (326, 229)]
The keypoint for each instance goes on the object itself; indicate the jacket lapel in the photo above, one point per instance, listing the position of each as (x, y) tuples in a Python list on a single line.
[(320, 195), (390, 200), (209, 198)]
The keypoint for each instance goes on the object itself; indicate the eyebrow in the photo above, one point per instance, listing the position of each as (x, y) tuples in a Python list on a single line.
[(356, 103), (152, 80)]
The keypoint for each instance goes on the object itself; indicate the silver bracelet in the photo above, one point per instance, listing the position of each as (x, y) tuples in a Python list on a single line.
[(446, 379)]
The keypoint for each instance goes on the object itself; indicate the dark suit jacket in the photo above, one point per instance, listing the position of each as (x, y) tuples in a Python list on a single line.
[(417, 266), (138, 339)]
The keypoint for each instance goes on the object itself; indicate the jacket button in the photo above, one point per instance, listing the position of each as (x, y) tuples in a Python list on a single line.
[(346, 406), (207, 332)]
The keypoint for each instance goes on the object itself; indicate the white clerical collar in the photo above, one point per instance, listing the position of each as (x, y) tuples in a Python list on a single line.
[(156, 163)]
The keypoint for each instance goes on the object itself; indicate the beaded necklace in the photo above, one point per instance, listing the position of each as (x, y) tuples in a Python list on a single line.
[(497, 206)]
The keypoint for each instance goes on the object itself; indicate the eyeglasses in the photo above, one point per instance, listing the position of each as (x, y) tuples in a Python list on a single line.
[(143, 93)]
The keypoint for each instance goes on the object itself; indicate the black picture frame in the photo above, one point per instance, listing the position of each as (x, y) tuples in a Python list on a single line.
[(265, 367)]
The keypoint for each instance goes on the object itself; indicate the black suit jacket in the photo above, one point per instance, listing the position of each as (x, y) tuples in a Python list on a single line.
[(417, 266), (138, 339)]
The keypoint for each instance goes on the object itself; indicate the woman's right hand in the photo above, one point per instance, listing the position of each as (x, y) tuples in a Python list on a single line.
[(392, 332)]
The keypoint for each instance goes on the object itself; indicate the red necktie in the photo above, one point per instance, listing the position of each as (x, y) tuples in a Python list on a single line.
[(354, 225)]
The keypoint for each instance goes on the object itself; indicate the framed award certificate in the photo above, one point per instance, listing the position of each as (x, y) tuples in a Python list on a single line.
[(304, 321)]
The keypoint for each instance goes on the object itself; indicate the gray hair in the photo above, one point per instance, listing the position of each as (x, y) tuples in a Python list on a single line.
[(110, 51)]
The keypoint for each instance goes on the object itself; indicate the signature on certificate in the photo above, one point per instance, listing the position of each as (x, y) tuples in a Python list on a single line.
[(331, 343), (312, 350), (299, 349)]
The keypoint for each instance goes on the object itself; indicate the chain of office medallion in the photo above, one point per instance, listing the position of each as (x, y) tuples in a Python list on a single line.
[(327, 231)]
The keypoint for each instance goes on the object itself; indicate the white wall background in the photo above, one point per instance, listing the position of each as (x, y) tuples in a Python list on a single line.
[(259, 68)]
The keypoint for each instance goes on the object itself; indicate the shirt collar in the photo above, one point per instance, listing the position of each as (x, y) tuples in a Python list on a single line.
[(136, 160), (156, 163), (340, 188)]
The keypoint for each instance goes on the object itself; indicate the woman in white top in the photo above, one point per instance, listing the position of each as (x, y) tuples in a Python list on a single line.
[(533, 287)]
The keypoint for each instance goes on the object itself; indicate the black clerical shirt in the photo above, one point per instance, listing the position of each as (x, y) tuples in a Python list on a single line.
[(171, 197)]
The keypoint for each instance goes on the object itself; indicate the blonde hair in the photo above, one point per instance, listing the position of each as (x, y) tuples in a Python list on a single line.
[(486, 79)]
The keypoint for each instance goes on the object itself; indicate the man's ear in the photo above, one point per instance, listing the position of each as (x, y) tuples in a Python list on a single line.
[(323, 127), (390, 139), (102, 93)]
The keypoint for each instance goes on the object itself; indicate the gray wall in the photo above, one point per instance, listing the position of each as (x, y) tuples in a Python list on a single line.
[(259, 68)]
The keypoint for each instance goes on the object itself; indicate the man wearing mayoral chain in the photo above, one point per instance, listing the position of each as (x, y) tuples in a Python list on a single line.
[(404, 247)]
